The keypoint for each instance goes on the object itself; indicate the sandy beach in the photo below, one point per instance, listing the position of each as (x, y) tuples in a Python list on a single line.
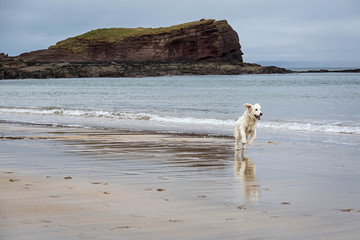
[(76, 183)]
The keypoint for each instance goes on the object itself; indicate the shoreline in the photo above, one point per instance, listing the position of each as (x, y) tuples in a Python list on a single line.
[(14, 68), (83, 183)]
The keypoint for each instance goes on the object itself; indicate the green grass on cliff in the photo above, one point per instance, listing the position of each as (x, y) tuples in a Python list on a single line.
[(113, 35)]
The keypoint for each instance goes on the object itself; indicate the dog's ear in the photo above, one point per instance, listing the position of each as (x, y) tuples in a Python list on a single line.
[(248, 106)]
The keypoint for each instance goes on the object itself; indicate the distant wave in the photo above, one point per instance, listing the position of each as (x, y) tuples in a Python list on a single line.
[(74, 113), (311, 127), (202, 122)]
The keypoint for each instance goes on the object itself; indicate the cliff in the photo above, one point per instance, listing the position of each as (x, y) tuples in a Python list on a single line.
[(205, 47), (204, 40)]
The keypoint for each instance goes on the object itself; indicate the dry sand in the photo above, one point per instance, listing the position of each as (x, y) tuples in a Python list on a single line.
[(69, 183)]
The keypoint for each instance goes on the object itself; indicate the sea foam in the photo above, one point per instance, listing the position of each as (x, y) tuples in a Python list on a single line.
[(169, 121)]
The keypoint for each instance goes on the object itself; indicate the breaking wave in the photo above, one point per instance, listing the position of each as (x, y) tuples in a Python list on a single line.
[(312, 127), (201, 123)]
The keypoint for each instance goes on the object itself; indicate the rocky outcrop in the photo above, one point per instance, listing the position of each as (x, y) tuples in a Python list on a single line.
[(200, 41), (205, 47), (15, 68)]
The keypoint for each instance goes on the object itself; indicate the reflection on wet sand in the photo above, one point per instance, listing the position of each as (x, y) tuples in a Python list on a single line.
[(245, 171), (168, 154)]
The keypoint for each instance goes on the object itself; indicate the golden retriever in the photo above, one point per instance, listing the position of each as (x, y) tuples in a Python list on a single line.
[(246, 125)]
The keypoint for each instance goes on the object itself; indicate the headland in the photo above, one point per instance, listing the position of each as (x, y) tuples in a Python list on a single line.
[(204, 47)]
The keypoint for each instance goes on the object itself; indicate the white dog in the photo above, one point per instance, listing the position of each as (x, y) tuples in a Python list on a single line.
[(246, 125)]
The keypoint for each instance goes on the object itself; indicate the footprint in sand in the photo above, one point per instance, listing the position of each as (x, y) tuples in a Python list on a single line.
[(349, 210), (176, 220), (124, 227)]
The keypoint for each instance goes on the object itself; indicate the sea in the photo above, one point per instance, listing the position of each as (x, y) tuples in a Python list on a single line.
[(300, 103)]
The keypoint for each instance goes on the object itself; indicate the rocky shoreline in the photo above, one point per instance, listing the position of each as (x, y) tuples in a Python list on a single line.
[(326, 71), (14, 68)]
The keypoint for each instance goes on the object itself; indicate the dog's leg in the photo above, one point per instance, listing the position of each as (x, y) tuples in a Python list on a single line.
[(243, 137), (237, 138), (253, 137)]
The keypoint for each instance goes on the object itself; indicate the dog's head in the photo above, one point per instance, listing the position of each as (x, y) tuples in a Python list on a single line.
[(254, 111)]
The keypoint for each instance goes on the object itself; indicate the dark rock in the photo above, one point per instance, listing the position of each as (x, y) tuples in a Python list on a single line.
[(17, 69), (331, 71)]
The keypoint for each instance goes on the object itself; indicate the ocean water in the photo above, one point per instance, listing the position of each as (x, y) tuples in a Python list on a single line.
[(317, 103)]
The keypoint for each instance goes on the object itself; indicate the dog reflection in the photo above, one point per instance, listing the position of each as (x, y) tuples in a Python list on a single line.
[(245, 170), (244, 167)]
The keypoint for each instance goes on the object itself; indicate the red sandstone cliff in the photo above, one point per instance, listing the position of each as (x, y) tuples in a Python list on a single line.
[(204, 40)]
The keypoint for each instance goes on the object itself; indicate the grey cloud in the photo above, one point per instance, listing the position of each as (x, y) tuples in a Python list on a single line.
[(278, 30)]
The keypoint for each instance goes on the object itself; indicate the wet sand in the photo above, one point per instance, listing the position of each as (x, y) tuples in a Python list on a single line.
[(69, 183)]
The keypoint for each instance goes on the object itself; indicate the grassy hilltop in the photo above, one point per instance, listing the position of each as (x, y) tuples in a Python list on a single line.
[(113, 35)]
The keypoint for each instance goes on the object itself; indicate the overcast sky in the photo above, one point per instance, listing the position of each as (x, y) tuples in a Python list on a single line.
[(325, 31)]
